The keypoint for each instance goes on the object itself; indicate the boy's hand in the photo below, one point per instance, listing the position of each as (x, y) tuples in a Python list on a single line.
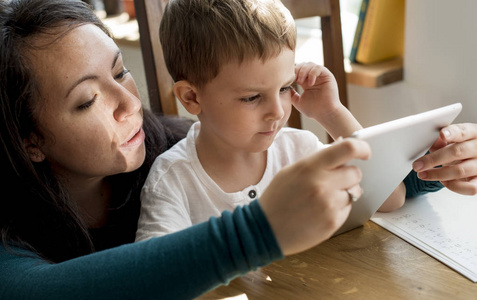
[(320, 100), (320, 95)]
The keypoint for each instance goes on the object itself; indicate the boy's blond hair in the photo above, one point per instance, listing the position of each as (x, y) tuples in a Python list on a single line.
[(198, 36)]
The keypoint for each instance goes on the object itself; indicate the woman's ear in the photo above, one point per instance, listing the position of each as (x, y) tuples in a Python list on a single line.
[(32, 148), (187, 95)]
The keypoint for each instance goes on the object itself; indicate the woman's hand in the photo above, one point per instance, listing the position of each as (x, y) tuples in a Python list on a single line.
[(456, 151), (320, 100), (308, 201)]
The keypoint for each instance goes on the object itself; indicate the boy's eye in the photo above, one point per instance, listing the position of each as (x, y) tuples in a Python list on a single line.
[(122, 74), (250, 99), (285, 89)]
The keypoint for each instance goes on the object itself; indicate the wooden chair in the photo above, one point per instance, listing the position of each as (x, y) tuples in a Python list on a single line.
[(159, 82), (332, 39)]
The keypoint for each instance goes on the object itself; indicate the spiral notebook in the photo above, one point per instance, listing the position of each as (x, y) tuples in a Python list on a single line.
[(442, 224)]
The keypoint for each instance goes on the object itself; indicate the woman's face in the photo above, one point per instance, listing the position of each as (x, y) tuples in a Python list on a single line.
[(89, 112)]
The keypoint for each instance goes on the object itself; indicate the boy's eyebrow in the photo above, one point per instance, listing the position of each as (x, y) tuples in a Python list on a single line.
[(88, 77), (292, 79), (253, 89)]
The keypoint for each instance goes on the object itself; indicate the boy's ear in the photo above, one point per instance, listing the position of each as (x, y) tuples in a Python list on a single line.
[(187, 95), (33, 150)]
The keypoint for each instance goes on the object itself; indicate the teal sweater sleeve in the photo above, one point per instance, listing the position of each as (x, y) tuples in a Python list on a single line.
[(182, 265), (416, 186)]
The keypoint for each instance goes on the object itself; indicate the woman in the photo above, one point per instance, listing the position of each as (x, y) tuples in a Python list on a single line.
[(76, 147), (73, 149)]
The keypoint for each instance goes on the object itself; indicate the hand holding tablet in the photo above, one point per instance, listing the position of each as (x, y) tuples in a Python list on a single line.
[(394, 145)]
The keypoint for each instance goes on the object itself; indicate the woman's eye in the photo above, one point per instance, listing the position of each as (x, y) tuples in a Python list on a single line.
[(88, 104), (285, 89), (122, 74), (250, 99)]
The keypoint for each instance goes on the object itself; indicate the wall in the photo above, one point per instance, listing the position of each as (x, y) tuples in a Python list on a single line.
[(440, 65)]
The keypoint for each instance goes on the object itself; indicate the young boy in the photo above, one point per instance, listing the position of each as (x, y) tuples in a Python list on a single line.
[(233, 63)]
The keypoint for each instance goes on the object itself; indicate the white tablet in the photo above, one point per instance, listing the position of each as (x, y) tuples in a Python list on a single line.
[(394, 147)]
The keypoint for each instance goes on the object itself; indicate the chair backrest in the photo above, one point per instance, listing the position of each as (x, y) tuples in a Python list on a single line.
[(332, 39), (159, 82)]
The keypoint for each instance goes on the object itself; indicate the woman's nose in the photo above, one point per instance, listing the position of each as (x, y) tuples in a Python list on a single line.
[(127, 104)]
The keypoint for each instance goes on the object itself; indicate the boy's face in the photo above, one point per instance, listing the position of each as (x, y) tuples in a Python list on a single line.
[(244, 107)]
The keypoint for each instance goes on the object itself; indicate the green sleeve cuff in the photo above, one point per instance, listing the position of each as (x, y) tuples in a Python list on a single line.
[(416, 186)]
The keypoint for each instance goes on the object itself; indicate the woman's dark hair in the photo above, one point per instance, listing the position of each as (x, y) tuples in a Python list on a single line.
[(35, 210)]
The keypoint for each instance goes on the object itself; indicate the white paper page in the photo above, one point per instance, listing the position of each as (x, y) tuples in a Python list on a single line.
[(442, 224)]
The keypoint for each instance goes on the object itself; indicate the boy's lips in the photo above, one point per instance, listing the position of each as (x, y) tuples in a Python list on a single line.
[(276, 127), (268, 133)]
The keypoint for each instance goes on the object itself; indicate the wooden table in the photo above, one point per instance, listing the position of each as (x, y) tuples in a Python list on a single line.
[(366, 263)]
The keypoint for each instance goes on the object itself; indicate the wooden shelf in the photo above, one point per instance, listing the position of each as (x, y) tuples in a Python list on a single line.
[(375, 75)]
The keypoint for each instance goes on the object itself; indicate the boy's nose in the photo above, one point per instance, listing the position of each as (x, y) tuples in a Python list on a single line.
[(275, 110)]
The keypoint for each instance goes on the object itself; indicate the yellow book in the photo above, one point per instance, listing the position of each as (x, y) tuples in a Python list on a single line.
[(383, 31)]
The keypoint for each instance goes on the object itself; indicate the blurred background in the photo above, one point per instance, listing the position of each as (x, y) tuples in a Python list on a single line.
[(439, 58)]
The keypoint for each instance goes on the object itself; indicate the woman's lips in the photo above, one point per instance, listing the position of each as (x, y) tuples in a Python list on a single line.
[(136, 139)]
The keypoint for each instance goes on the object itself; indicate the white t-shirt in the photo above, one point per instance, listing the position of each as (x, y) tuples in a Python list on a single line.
[(178, 192)]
